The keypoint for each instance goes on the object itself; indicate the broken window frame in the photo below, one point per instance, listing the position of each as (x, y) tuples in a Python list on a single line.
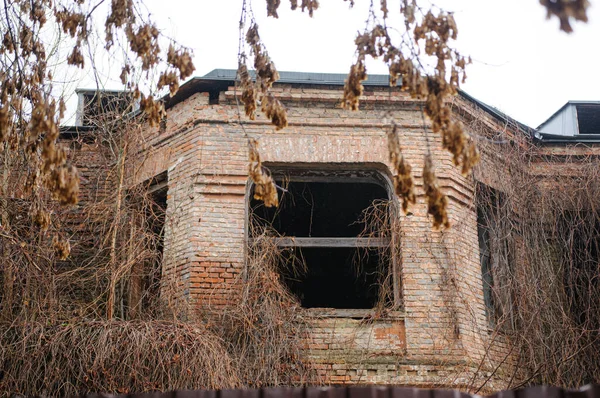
[(335, 174)]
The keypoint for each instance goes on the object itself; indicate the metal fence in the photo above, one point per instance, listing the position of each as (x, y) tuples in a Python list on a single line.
[(590, 391)]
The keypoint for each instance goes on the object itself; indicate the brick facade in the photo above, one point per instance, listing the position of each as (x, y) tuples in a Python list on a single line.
[(440, 335)]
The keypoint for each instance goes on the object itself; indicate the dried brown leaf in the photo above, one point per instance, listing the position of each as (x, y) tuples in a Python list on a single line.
[(249, 93), (275, 111), (264, 186), (437, 202), (353, 87), (403, 181), (272, 6)]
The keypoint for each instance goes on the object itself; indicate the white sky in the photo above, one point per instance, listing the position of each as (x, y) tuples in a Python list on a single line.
[(522, 64)]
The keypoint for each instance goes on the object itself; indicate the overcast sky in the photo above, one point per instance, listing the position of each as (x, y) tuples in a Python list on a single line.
[(522, 64)]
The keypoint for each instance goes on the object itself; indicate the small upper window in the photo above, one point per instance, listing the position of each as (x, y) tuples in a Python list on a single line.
[(320, 223), (98, 106), (588, 118)]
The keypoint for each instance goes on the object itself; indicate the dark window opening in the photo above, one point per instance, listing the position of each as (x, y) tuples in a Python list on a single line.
[(496, 254), (485, 258), (97, 105), (319, 224), (146, 274), (156, 213), (581, 231), (320, 209), (336, 277), (213, 97), (588, 118)]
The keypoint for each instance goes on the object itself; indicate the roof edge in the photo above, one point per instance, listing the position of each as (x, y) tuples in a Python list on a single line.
[(496, 113), (547, 138), (329, 79)]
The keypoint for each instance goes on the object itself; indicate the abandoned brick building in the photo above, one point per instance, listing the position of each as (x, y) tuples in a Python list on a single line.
[(434, 325)]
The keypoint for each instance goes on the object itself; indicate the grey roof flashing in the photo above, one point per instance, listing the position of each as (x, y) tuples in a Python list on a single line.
[(101, 90), (546, 138)]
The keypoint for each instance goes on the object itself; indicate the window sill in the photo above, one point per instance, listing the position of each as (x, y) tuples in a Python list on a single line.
[(363, 314)]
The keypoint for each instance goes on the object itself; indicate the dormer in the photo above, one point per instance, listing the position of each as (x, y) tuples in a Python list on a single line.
[(575, 121), (93, 105)]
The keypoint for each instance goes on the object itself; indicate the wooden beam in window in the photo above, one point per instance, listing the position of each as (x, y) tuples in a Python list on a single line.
[(158, 187), (332, 242)]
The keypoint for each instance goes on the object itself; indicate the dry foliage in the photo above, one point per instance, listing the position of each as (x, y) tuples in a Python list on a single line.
[(117, 357), (403, 181), (29, 112), (566, 10), (72, 307), (382, 220), (62, 264), (437, 203), (433, 32), (264, 186), (265, 326), (273, 5), (99, 320), (266, 75), (95, 321), (426, 31)]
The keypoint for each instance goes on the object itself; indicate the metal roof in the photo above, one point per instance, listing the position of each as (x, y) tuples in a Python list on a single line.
[(571, 102), (221, 79), (334, 79), (496, 113)]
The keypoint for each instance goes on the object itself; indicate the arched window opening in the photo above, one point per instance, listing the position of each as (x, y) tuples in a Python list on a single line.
[(320, 224)]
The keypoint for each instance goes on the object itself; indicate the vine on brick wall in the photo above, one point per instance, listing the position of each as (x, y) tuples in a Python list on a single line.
[(30, 112), (101, 319), (542, 234)]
